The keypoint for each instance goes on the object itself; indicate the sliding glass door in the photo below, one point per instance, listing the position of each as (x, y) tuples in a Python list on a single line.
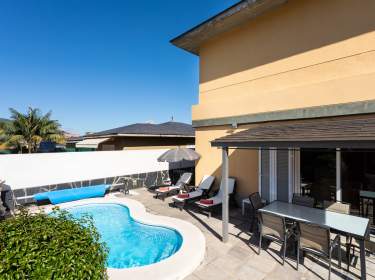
[(357, 173), (318, 174)]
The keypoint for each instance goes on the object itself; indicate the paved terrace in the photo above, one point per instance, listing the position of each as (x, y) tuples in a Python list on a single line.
[(237, 259)]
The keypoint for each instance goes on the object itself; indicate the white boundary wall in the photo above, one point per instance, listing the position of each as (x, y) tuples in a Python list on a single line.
[(33, 170)]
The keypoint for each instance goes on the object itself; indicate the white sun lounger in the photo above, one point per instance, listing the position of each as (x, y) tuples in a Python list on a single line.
[(203, 187), (168, 190), (218, 198)]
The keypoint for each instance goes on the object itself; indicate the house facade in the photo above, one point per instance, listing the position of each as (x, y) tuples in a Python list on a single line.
[(270, 62)]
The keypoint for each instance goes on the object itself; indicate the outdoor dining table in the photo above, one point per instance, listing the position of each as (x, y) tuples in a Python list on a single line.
[(347, 224)]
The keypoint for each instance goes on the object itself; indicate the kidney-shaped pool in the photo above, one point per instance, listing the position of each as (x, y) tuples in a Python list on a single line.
[(141, 245), (130, 242)]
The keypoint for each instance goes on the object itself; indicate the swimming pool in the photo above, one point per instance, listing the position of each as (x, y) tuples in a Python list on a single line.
[(130, 243), (173, 262)]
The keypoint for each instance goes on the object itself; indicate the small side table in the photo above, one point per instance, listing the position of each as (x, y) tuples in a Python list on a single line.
[(247, 201)]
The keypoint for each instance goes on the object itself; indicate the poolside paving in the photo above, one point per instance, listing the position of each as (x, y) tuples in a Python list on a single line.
[(238, 259)]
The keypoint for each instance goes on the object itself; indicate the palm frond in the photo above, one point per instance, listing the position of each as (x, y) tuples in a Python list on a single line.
[(31, 128)]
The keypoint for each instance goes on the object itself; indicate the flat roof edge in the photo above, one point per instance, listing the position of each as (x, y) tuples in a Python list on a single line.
[(140, 135)]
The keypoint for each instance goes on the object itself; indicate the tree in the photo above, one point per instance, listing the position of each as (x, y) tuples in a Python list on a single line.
[(2, 129), (28, 130), (2, 133)]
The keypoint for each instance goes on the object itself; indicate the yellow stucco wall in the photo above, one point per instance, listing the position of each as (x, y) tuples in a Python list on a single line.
[(243, 164), (305, 53)]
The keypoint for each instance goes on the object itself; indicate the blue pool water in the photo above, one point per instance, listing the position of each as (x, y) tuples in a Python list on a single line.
[(130, 243)]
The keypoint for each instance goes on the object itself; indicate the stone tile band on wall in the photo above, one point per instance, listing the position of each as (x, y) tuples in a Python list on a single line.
[(344, 109), (24, 196)]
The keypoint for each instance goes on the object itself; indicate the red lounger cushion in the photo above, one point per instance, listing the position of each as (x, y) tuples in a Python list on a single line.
[(183, 195), (207, 201)]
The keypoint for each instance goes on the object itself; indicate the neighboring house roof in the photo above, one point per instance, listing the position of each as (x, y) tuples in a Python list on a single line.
[(68, 134), (91, 143), (167, 129), (72, 140), (230, 18)]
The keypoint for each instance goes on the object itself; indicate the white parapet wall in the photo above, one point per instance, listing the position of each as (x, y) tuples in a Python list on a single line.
[(33, 170)]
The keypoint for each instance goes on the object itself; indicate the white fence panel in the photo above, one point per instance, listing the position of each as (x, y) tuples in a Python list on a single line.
[(32, 170)]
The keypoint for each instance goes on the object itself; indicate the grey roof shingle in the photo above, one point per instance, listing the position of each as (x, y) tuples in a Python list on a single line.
[(356, 131), (167, 128)]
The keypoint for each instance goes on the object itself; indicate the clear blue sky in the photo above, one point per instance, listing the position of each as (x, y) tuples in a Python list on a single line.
[(99, 64)]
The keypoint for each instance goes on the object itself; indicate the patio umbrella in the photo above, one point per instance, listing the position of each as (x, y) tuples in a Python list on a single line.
[(179, 154)]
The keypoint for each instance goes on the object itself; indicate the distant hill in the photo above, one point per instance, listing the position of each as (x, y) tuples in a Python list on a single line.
[(4, 120)]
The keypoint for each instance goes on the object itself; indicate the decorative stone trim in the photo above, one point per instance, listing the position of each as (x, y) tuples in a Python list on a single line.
[(134, 181)]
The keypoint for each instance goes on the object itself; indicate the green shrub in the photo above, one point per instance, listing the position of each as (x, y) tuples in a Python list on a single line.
[(41, 246)]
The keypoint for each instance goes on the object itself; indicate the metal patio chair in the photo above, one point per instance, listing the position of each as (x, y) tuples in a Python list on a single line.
[(274, 228), (303, 200), (256, 203), (316, 240), (342, 208), (337, 206), (354, 244)]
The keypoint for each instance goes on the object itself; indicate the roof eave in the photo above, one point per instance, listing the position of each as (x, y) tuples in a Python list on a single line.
[(228, 19), (357, 132), (333, 144)]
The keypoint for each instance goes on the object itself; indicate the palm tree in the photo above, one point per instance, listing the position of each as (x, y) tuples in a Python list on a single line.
[(32, 128)]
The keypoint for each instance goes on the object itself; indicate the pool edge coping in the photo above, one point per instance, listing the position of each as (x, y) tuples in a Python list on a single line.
[(177, 266)]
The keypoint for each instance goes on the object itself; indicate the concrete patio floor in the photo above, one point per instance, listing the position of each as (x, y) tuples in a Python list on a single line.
[(238, 259)]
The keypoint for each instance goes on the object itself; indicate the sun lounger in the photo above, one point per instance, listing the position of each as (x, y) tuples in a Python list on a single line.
[(203, 189), (207, 205), (163, 192)]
